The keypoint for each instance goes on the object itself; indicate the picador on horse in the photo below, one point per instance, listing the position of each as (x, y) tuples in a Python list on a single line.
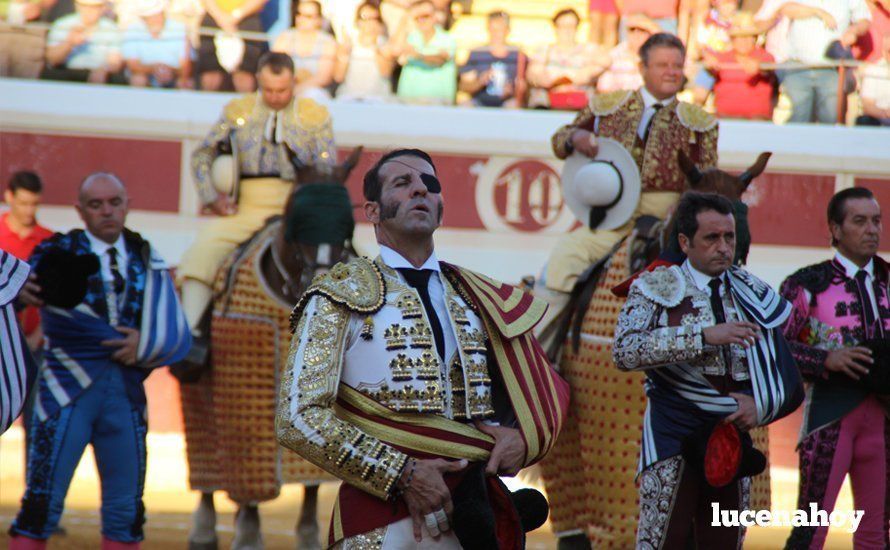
[(629, 157), (268, 169)]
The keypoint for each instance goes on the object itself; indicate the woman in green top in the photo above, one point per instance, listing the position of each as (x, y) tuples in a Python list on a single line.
[(429, 74)]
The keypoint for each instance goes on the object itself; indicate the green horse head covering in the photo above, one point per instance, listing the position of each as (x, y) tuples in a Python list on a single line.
[(321, 213)]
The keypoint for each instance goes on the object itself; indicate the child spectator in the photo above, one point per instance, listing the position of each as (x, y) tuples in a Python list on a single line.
[(874, 90)]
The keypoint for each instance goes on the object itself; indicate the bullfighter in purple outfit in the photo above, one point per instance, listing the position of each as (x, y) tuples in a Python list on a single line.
[(838, 334)]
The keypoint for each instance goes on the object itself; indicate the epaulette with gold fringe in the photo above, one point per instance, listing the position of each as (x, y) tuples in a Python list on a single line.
[(311, 113), (666, 286), (609, 103), (357, 286), (695, 118), (239, 109)]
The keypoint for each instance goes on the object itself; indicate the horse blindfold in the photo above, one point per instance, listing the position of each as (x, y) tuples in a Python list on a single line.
[(320, 214)]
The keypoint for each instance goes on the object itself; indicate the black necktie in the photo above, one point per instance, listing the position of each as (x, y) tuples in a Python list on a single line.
[(868, 309), (274, 138), (717, 301), (419, 279), (657, 106), (720, 318), (115, 271)]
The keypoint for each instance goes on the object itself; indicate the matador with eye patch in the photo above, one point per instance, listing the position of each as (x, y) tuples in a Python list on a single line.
[(418, 382)]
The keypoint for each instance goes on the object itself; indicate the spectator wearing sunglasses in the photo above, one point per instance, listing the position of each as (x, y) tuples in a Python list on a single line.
[(426, 54), (313, 50), (364, 60)]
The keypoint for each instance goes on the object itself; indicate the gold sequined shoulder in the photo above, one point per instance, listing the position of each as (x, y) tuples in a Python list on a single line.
[(311, 113), (665, 286), (606, 104), (239, 109), (694, 117), (358, 286)]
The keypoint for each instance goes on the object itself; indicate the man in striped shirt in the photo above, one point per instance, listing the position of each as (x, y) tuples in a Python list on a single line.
[(17, 368)]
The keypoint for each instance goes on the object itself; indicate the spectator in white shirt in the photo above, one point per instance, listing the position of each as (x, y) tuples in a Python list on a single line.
[(83, 46), (874, 90), (156, 48), (813, 91), (773, 22), (313, 50), (364, 60)]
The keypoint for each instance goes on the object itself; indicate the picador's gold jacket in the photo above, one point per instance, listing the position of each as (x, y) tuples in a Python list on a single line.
[(677, 126), (304, 126)]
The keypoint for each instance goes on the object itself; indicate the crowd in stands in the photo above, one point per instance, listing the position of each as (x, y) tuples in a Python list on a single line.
[(741, 53)]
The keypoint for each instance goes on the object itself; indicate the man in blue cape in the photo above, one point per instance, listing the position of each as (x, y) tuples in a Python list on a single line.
[(110, 314)]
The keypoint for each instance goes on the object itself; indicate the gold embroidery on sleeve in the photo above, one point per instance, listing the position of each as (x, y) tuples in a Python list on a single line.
[(306, 422)]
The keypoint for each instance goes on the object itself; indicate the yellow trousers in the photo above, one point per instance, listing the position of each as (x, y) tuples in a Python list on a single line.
[(577, 250), (260, 198)]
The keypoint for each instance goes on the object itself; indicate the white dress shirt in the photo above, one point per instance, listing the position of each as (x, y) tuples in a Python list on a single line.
[(649, 110), (869, 268), (702, 280), (100, 248), (809, 38), (273, 130), (435, 287)]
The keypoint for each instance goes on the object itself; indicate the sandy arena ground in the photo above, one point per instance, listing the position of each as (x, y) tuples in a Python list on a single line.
[(169, 503)]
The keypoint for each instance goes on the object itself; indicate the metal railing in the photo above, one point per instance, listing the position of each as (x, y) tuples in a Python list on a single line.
[(842, 66)]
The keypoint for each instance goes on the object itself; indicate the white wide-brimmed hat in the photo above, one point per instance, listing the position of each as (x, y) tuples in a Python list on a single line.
[(610, 183)]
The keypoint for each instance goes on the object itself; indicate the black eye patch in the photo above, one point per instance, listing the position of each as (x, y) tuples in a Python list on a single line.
[(431, 182)]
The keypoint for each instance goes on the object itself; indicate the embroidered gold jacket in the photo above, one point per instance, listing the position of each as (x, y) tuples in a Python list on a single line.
[(678, 126), (362, 327), (305, 126), (661, 323)]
